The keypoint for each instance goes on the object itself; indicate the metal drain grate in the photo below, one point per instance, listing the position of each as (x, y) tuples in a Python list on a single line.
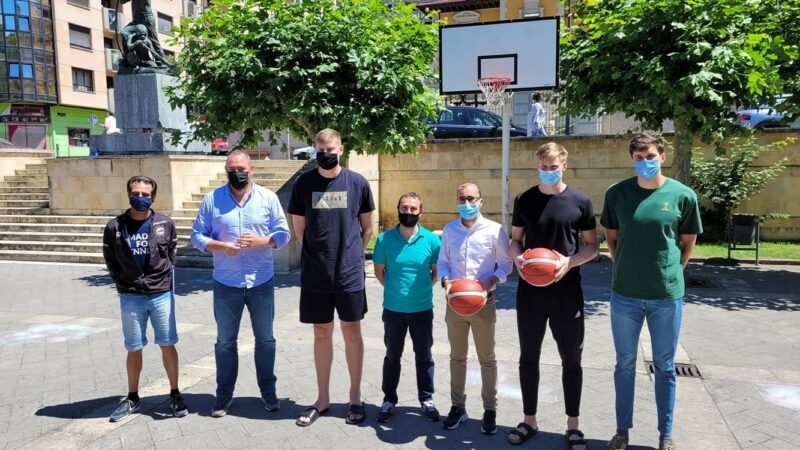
[(681, 370)]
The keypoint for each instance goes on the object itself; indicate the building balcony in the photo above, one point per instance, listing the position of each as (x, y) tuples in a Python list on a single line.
[(113, 21), (112, 59), (190, 9)]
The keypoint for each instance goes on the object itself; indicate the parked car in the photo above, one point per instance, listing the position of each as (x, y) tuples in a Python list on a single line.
[(469, 122), (219, 146), (304, 153), (764, 117)]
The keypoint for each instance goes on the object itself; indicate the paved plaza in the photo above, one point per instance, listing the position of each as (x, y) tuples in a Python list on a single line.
[(62, 370)]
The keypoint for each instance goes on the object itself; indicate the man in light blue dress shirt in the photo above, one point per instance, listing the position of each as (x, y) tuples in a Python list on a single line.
[(241, 223)]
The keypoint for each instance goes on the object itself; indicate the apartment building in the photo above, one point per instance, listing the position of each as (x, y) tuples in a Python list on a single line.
[(59, 60)]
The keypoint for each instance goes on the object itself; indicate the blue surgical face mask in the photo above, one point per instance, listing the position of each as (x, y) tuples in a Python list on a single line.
[(647, 168), (549, 177), (469, 211), (141, 204)]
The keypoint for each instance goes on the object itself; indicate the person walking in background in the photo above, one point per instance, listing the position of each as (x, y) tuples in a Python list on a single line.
[(241, 224), (110, 124), (537, 117), (139, 248), (405, 264)]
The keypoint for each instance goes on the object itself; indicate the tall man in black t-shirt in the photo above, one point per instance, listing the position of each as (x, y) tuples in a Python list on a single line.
[(331, 210), (555, 216)]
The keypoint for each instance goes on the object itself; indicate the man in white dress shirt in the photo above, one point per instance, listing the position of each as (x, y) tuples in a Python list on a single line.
[(476, 248)]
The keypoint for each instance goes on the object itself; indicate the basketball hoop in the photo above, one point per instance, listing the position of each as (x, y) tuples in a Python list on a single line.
[(494, 89)]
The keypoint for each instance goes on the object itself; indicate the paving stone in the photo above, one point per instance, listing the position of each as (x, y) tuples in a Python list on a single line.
[(60, 387)]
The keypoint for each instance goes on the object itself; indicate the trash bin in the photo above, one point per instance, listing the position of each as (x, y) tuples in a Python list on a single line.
[(744, 229), (743, 233)]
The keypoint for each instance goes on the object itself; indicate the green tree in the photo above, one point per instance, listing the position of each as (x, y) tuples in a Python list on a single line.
[(728, 178), (692, 61), (359, 66), (786, 25)]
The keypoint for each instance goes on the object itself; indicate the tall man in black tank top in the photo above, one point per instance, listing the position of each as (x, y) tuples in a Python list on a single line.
[(558, 217)]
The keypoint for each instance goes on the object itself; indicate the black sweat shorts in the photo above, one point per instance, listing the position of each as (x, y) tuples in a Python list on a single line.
[(317, 307)]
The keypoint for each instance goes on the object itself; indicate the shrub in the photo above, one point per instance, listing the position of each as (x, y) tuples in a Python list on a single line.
[(728, 178)]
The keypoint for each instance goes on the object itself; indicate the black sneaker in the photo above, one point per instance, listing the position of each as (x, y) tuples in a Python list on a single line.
[(271, 402), (429, 411), (454, 418), (177, 406), (221, 407), (386, 412), (126, 408), (489, 422)]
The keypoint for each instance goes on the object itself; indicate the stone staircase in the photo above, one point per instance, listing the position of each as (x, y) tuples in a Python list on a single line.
[(29, 233), (26, 191)]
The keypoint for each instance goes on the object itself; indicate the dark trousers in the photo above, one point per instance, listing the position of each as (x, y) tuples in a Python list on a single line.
[(562, 306), (420, 326)]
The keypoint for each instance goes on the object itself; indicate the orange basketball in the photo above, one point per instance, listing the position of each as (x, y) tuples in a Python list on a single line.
[(466, 297), (539, 266)]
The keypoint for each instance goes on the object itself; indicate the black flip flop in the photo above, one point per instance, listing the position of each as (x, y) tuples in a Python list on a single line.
[(529, 433), (312, 414), (573, 442), (356, 410)]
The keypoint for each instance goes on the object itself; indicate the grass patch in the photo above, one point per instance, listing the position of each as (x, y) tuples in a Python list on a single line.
[(371, 245), (769, 250)]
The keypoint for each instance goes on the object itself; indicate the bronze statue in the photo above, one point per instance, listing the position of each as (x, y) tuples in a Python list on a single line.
[(141, 48)]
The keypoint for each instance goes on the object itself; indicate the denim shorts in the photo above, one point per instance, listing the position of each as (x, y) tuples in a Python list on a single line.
[(136, 309)]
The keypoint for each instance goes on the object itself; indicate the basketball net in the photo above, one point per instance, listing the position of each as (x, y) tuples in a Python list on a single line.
[(494, 89)]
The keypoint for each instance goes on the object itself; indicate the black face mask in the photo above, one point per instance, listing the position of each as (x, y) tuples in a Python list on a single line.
[(238, 180), (327, 160), (408, 220)]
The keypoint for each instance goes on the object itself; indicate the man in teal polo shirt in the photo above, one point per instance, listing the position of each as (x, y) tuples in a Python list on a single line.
[(405, 264)]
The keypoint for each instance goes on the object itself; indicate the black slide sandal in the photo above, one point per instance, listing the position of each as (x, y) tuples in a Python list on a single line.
[(356, 410), (571, 443), (312, 414), (523, 437)]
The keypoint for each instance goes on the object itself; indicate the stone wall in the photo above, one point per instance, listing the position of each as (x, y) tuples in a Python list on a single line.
[(595, 162), (97, 186), (369, 167), (12, 159)]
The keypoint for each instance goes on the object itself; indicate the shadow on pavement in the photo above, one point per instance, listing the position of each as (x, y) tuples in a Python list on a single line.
[(84, 409), (97, 280), (190, 280), (744, 287), (246, 407)]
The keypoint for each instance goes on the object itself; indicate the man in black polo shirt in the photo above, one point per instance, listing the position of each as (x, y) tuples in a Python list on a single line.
[(558, 217), (139, 248)]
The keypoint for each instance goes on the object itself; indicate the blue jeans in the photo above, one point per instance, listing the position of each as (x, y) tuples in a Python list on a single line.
[(135, 309), (664, 322), (229, 303), (420, 326)]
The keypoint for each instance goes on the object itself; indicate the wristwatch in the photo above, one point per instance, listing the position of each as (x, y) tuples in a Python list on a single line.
[(443, 280)]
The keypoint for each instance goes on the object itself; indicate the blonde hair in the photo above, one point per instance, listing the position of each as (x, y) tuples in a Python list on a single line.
[(328, 135), (550, 151)]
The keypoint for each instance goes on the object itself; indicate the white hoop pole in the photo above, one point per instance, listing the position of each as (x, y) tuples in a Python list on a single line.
[(506, 175)]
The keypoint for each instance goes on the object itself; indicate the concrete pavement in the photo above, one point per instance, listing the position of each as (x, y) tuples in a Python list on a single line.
[(62, 370)]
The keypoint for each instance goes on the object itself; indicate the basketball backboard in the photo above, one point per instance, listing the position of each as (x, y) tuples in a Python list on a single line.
[(525, 50)]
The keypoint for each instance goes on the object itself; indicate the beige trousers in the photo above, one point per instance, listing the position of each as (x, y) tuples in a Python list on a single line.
[(482, 325)]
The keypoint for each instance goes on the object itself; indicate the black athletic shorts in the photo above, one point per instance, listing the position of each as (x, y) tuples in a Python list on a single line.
[(317, 307)]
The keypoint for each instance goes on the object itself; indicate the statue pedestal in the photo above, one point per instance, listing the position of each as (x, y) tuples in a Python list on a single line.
[(146, 118)]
